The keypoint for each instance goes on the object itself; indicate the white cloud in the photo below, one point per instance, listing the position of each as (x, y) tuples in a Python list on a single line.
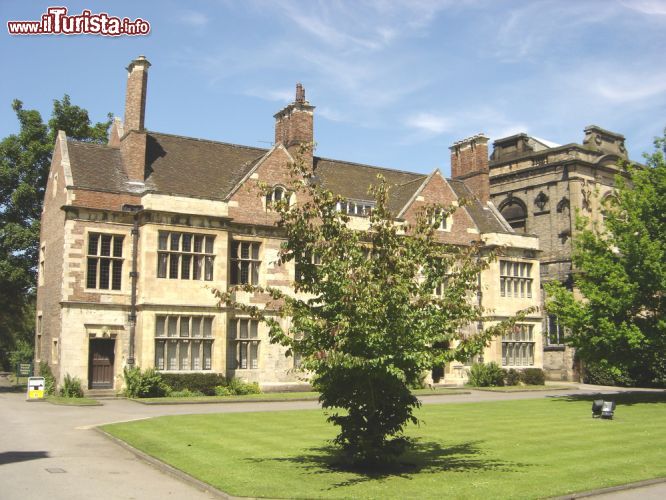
[(430, 123), (194, 18), (633, 88), (365, 25), (279, 95), (649, 7)]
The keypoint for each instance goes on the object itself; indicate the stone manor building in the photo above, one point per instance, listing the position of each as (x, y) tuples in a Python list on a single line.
[(136, 232), (539, 187)]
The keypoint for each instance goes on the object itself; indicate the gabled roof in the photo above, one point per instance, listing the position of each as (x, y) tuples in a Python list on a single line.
[(352, 180), (195, 167), (184, 166), (96, 166), (486, 220)]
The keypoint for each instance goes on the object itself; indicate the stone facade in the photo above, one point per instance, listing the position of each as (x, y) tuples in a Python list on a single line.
[(137, 233), (539, 187)]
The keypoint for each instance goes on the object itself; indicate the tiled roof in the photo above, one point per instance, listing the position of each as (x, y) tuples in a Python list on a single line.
[(185, 166), (485, 219), (96, 167), (193, 167), (352, 180)]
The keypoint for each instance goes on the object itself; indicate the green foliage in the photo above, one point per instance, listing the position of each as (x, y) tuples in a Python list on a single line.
[(197, 382), (25, 158), (49, 379), (621, 323), (486, 375), (512, 377), (223, 390), (185, 393), (147, 384), (240, 388), (71, 387), (371, 324), (533, 376), (22, 354), (602, 373)]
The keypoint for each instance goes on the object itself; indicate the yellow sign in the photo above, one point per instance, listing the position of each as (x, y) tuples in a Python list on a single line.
[(35, 388)]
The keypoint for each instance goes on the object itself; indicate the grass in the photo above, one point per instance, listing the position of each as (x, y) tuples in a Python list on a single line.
[(521, 388), (272, 396), (61, 400), (507, 449)]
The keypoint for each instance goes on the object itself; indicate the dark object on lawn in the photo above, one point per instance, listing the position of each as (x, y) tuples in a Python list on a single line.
[(603, 409)]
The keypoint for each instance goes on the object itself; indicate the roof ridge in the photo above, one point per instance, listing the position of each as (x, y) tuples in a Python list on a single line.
[(375, 167), (264, 150)]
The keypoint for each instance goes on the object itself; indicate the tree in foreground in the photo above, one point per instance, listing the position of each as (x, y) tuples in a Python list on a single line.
[(620, 325), (25, 159), (365, 319)]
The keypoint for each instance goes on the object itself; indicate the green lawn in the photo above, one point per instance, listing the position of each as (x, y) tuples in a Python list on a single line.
[(522, 388), (508, 449), (274, 396)]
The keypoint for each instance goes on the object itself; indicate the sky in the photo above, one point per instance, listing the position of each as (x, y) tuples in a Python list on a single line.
[(394, 82)]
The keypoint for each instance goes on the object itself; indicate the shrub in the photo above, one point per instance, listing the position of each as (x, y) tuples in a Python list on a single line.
[(22, 354), (533, 376), (197, 382), (512, 377), (71, 387), (222, 390), (486, 375), (238, 387), (148, 384), (603, 373), (185, 393), (49, 379)]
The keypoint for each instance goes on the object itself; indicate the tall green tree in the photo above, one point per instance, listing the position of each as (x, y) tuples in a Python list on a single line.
[(366, 321), (25, 158), (620, 325)]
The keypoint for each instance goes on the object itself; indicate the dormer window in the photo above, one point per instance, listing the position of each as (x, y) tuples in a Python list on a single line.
[(356, 208), (433, 214), (278, 194)]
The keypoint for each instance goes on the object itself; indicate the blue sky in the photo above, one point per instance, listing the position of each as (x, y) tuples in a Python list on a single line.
[(395, 82)]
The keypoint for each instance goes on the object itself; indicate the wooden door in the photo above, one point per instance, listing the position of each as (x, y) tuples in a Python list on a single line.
[(101, 363)]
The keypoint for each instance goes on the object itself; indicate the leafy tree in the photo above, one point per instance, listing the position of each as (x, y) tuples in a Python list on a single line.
[(25, 158), (620, 326), (364, 319)]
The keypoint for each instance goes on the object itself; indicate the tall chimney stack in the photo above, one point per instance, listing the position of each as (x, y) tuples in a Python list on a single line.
[(135, 97), (133, 142), (294, 124), (469, 163)]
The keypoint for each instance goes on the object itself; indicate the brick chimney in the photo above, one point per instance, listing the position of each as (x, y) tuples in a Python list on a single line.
[(294, 123), (469, 163), (133, 143)]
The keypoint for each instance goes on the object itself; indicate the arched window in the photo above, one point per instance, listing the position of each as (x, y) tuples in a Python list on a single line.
[(515, 213), (279, 193)]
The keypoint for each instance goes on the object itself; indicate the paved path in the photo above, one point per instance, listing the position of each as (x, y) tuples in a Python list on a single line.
[(49, 451)]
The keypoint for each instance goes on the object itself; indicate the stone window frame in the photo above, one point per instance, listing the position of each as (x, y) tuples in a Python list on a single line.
[(516, 279), (39, 327), (278, 193), (446, 223), (244, 343), (185, 262), (180, 334), (114, 261), (517, 223), (244, 268), (557, 335), (519, 346)]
